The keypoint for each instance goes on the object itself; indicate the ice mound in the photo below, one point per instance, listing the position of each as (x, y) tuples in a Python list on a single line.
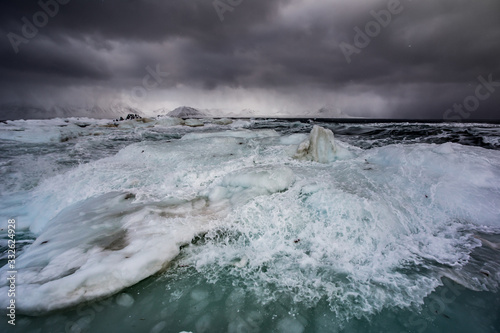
[(99, 246), (244, 185), (169, 121), (193, 122), (222, 121), (102, 238), (319, 147)]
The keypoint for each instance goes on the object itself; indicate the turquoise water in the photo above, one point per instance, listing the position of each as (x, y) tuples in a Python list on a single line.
[(183, 300)]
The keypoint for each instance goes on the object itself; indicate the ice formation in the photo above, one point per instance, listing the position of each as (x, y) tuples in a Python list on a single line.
[(346, 233), (193, 122), (319, 147), (103, 240)]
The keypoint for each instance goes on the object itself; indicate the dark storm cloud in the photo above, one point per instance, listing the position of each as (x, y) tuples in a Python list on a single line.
[(428, 57)]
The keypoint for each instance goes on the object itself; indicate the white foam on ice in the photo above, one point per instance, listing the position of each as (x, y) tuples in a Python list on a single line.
[(244, 185), (100, 239), (241, 133), (240, 123), (353, 231)]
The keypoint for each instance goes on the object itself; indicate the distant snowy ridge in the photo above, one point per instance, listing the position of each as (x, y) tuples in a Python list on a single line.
[(191, 112), (115, 111), (161, 111), (13, 112), (331, 112)]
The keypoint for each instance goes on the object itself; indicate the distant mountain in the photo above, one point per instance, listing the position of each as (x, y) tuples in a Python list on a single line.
[(248, 113), (161, 112), (186, 112), (12, 112), (190, 112), (331, 112)]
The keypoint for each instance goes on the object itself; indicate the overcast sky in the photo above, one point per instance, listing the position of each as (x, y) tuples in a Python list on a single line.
[(408, 59)]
